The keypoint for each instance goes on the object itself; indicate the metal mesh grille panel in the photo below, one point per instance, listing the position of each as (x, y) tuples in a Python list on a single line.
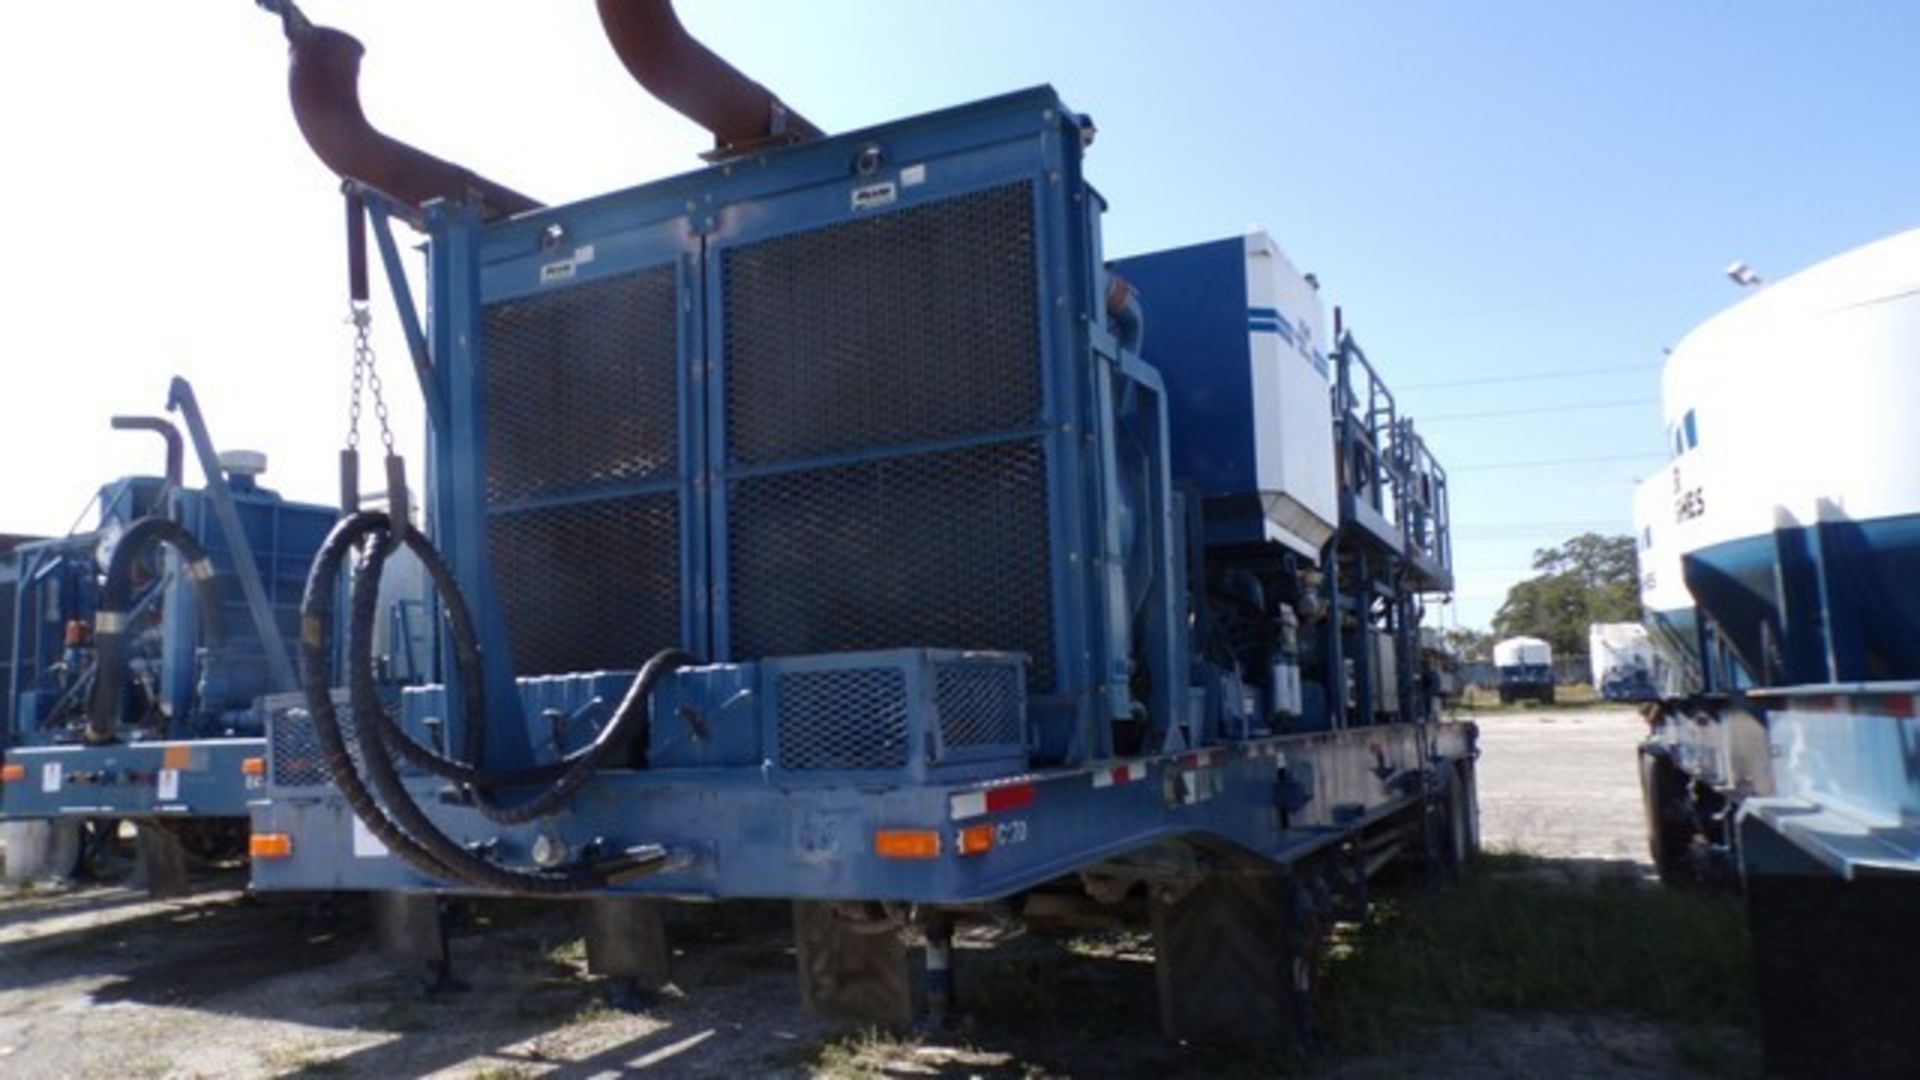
[(945, 550), (589, 586), (294, 758), (908, 327), (581, 386), (854, 718), (979, 704)]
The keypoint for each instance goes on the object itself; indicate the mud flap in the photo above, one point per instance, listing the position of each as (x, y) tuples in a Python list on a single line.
[(850, 970), (627, 941), (160, 860), (1233, 962)]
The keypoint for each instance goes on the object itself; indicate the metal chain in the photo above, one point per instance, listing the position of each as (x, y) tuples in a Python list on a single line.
[(367, 374)]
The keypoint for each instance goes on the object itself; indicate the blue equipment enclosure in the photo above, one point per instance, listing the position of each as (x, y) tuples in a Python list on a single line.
[(853, 420), (188, 722)]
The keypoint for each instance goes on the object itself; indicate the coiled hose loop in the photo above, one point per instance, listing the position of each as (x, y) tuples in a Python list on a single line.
[(116, 598), (401, 824)]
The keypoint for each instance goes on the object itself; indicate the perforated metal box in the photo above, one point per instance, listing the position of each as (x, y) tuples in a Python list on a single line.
[(928, 714)]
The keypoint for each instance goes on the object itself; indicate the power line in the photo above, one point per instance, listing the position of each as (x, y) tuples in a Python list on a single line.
[(1530, 376), (1574, 406), (1549, 463)]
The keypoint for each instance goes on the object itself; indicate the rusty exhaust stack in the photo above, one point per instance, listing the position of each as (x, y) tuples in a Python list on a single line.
[(323, 79), (664, 58)]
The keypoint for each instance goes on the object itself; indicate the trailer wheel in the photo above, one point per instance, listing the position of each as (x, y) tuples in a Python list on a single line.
[(1670, 827), (1453, 828)]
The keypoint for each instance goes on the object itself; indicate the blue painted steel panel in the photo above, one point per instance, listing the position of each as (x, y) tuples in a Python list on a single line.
[(1197, 321)]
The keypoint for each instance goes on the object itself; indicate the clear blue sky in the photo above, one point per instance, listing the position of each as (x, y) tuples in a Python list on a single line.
[(1488, 188)]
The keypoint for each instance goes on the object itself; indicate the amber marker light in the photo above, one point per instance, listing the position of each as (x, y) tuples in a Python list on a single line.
[(906, 844), (974, 840)]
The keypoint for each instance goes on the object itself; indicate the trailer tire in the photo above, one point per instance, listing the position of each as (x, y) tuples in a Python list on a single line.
[(1237, 955), (1670, 828)]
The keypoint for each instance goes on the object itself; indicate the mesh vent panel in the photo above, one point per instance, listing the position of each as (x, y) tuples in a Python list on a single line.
[(979, 704), (854, 718), (294, 756), (589, 586), (908, 327), (580, 386), (944, 550)]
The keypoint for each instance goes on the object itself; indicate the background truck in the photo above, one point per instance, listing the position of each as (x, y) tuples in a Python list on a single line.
[(1524, 669), (1621, 656)]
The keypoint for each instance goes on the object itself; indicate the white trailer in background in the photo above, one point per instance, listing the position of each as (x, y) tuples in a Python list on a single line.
[(1525, 667), (1621, 657)]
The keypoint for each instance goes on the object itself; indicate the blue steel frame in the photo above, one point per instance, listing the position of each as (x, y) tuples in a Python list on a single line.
[(739, 832)]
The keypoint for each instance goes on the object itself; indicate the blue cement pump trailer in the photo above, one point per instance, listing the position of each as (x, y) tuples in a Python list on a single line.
[(136, 652), (1780, 573), (834, 524)]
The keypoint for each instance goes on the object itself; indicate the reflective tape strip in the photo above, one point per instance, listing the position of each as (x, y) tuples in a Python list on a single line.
[(109, 622), (1204, 759), (967, 804), (1129, 773), (200, 569), (971, 804)]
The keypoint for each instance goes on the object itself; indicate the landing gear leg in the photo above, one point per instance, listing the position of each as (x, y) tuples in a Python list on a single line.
[(412, 931), (627, 942)]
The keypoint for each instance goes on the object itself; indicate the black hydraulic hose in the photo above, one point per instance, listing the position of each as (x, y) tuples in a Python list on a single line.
[(116, 598), (316, 618), (630, 719), (567, 775), (409, 832)]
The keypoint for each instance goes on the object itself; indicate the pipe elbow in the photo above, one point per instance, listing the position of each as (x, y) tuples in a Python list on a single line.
[(676, 68), (323, 82)]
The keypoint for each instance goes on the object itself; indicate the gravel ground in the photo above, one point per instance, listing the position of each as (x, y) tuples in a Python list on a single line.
[(1562, 783), (106, 983)]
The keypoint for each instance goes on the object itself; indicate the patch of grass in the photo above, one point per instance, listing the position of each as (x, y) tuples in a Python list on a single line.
[(301, 1059), (1519, 937), (146, 1065), (572, 953), (863, 1055), (1567, 697), (595, 1011), (502, 1072)]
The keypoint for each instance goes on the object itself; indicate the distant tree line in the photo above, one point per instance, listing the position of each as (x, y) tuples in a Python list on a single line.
[(1590, 578)]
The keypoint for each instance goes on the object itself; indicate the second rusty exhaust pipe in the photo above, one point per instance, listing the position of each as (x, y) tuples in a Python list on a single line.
[(657, 50)]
